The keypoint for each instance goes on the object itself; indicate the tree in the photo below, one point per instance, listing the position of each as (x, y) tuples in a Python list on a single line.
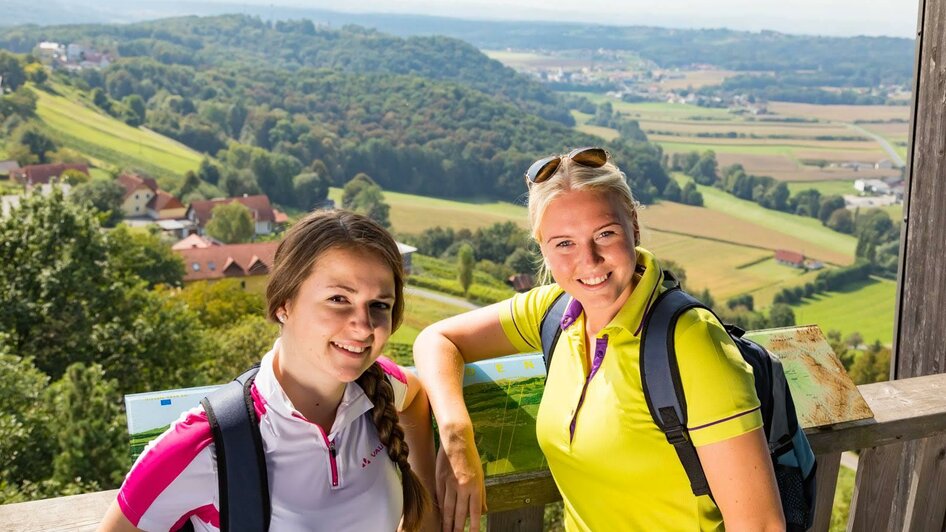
[(521, 261), (208, 171), (136, 105), (465, 264), (781, 315), (841, 221), (672, 191), (236, 346), (364, 196), (37, 142), (26, 439), (101, 100), (143, 255), (36, 73), (705, 171), (90, 428), (829, 204), (64, 299), (73, 177), (310, 189), (11, 69), (231, 223), (222, 303), (873, 365), (691, 195), (105, 197)]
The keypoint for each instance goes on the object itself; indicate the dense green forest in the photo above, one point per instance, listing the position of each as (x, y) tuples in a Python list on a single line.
[(270, 100)]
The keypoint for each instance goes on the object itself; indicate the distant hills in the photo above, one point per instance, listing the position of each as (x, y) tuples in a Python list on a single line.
[(880, 59)]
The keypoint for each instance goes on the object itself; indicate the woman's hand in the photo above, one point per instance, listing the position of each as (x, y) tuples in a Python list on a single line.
[(461, 490)]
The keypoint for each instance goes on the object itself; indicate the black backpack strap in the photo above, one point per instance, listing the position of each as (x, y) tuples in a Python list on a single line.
[(551, 327), (241, 464), (660, 378)]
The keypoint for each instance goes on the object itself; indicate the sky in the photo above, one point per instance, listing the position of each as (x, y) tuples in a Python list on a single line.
[(897, 18)]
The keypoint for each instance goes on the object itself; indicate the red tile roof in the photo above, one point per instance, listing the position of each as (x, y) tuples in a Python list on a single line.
[(259, 206), (40, 174), (195, 241), (162, 200), (232, 260), (791, 257), (131, 183)]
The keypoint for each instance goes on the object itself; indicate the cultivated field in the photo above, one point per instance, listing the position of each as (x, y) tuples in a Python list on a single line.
[(841, 113), (867, 308), (111, 142), (693, 79), (413, 214)]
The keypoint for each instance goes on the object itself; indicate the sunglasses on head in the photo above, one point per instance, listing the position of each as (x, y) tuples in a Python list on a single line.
[(545, 168)]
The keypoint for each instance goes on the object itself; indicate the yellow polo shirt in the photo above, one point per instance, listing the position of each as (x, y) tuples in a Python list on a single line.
[(613, 466)]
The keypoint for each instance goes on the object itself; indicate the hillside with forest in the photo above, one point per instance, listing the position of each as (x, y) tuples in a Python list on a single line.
[(426, 115)]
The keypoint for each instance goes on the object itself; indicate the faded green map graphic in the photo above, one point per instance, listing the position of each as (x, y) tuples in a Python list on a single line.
[(503, 413), (823, 392)]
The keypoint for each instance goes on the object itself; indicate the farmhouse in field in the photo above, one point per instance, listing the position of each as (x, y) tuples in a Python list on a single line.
[(790, 258), (42, 174), (250, 261), (264, 215)]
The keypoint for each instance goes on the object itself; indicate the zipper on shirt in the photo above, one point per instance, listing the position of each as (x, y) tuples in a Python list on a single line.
[(601, 346), (332, 453)]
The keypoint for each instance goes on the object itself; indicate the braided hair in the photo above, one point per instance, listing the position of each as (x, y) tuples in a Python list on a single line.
[(384, 415)]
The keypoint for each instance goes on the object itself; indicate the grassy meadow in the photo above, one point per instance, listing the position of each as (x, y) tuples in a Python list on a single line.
[(413, 214), (420, 312), (110, 142), (866, 307)]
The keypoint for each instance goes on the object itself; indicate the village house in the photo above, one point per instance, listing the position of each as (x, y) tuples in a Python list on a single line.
[(195, 241), (143, 198), (12, 201), (42, 174), (250, 262), (790, 258), (7, 168), (265, 217)]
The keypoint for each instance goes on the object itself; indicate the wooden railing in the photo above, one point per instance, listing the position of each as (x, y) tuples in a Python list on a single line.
[(909, 410)]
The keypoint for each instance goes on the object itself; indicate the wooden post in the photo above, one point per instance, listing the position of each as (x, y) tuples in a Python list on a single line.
[(920, 328), (871, 506), (826, 480)]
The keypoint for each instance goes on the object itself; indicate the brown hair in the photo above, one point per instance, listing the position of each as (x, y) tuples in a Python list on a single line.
[(298, 252), (607, 180)]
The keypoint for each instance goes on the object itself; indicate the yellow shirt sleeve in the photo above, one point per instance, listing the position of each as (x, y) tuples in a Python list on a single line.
[(717, 382), (521, 316)]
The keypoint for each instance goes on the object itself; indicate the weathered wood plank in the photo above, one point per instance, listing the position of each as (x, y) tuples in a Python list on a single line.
[(920, 347), (511, 492), (876, 480), (903, 410), (74, 513), (528, 519), (827, 481), (926, 509)]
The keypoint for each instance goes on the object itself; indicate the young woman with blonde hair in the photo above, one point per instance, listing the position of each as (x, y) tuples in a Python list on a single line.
[(611, 463)]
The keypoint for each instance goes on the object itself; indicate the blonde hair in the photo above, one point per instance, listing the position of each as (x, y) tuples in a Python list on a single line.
[(298, 252), (607, 180)]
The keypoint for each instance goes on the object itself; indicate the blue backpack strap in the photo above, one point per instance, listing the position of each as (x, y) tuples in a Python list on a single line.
[(551, 327), (660, 378), (241, 464)]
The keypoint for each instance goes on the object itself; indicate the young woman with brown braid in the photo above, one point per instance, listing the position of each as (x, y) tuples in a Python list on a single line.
[(336, 453)]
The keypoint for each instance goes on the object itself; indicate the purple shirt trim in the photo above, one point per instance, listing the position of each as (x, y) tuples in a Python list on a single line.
[(717, 422), (571, 313), (601, 346)]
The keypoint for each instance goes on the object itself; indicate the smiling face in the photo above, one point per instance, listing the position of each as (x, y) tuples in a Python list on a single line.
[(589, 248), (340, 318)]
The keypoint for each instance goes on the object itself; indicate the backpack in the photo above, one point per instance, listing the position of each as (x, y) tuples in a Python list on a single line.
[(241, 463), (792, 457)]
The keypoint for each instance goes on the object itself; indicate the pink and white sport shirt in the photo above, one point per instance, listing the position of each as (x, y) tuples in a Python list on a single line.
[(340, 480)]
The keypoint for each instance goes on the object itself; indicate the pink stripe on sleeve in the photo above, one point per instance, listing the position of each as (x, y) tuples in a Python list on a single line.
[(163, 463), (392, 369)]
